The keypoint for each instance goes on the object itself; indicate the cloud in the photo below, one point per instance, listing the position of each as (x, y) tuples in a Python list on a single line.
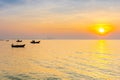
[(58, 8), (64, 6), (42, 8)]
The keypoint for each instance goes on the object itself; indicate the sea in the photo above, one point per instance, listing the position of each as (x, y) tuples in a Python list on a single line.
[(60, 60)]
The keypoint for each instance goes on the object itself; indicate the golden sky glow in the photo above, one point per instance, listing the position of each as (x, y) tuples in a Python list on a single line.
[(102, 29), (51, 18)]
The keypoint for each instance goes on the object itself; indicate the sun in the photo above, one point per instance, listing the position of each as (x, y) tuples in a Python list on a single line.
[(102, 29)]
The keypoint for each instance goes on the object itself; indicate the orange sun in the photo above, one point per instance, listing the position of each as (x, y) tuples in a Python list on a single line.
[(102, 29)]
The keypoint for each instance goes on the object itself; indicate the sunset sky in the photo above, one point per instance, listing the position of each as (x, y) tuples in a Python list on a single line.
[(71, 19)]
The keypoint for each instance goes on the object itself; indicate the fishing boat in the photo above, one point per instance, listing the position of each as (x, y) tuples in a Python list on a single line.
[(18, 46), (7, 40), (19, 41), (35, 42)]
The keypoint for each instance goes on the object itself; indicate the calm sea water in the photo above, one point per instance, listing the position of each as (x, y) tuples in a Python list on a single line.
[(61, 60)]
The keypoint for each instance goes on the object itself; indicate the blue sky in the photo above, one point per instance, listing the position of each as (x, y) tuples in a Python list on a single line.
[(59, 6), (36, 17)]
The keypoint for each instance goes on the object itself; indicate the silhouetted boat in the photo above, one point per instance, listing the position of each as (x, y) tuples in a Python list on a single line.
[(35, 42), (18, 46), (7, 40), (19, 41)]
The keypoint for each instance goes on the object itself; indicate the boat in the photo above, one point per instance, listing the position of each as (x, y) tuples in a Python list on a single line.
[(19, 41), (7, 40), (18, 46), (35, 42)]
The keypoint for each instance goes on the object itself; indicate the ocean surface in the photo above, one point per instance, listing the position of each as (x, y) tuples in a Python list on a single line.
[(61, 60)]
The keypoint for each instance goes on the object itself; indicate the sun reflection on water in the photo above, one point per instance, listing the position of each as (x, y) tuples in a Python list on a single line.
[(101, 58)]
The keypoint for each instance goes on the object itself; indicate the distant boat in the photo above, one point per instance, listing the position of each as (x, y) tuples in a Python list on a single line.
[(35, 42), (7, 40), (17, 46), (19, 41)]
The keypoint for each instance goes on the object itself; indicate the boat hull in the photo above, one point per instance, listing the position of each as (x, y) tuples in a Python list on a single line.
[(35, 42), (18, 46)]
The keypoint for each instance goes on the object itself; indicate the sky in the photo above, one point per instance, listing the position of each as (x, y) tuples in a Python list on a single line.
[(58, 19)]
